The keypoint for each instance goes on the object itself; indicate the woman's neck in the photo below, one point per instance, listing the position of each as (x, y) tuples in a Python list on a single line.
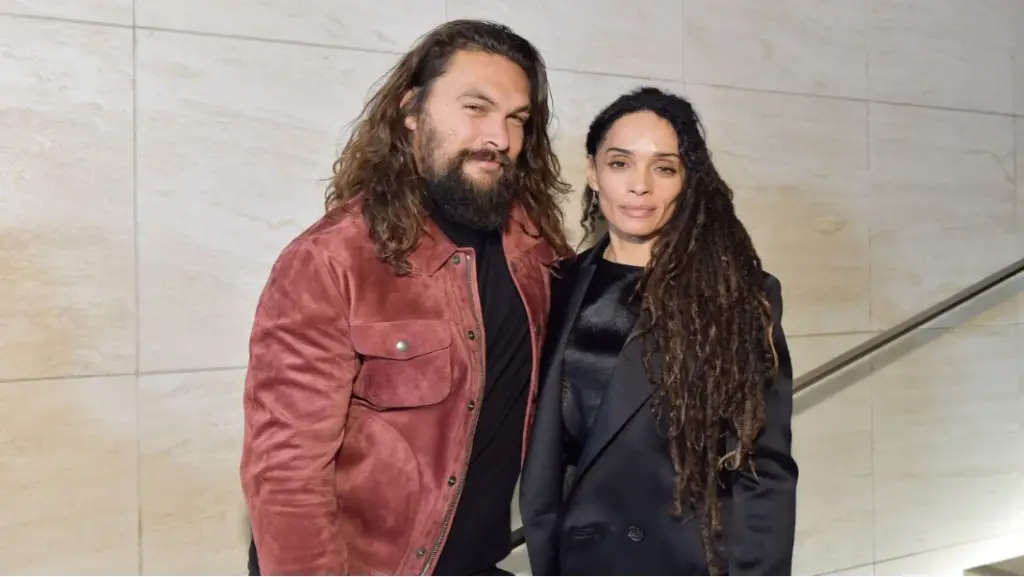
[(631, 251)]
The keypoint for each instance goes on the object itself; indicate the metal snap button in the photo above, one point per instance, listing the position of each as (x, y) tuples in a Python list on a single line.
[(635, 534), (402, 346)]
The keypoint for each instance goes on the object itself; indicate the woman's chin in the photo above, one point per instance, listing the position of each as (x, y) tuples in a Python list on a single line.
[(634, 231)]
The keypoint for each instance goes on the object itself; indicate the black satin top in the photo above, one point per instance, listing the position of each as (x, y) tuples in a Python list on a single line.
[(607, 315)]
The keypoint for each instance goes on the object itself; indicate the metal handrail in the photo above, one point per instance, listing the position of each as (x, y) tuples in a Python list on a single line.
[(908, 326), (884, 339)]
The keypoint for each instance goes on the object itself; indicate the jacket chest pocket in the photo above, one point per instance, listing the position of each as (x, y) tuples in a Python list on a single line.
[(405, 364)]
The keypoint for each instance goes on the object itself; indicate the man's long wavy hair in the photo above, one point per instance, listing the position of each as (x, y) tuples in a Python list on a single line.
[(378, 164), (705, 311)]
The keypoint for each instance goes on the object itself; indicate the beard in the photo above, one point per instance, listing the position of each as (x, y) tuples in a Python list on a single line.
[(457, 196)]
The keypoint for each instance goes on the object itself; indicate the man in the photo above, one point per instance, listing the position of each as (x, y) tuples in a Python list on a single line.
[(395, 349)]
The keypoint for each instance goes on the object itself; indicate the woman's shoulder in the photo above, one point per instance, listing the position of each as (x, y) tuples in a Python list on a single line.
[(568, 269)]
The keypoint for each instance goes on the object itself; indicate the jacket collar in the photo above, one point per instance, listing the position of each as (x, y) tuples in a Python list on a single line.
[(596, 252), (521, 235)]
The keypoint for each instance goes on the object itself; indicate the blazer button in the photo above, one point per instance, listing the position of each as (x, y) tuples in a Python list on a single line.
[(635, 534)]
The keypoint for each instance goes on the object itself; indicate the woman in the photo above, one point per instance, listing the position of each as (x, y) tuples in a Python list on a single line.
[(662, 440)]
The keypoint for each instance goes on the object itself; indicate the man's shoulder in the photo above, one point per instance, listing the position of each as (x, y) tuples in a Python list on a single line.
[(338, 232), (341, 233), (338, 244)]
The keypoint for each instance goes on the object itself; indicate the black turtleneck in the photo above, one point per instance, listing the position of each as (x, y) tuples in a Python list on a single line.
[(481, 533)]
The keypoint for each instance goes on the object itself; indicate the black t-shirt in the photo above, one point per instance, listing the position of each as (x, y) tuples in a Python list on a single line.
[(481, 534)]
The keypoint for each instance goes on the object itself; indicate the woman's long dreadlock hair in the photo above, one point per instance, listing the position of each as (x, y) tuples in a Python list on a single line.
[(705, 311)]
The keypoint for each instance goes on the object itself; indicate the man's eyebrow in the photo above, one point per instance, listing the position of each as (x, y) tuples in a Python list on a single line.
[(479, 95), (475, 93)]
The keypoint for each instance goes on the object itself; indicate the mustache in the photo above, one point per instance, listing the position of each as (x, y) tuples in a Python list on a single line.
[(486, 155)]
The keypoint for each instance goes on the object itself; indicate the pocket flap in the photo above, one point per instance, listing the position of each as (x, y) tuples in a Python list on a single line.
[(401, 340)]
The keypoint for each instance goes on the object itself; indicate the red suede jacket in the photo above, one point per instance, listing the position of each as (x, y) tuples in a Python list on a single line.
[(361, 395)]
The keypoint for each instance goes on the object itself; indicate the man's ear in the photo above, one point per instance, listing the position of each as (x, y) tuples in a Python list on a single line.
[(411, 119)]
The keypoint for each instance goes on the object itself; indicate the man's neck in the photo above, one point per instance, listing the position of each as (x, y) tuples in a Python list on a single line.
[(461, 235)]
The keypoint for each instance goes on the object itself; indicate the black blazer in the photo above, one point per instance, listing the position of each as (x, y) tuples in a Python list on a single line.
[(612, 514)]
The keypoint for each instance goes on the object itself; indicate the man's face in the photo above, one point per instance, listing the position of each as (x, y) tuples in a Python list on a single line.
[(469, 134)]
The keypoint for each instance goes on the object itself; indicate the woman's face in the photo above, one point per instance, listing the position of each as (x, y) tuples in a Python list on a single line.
[(638, 174)]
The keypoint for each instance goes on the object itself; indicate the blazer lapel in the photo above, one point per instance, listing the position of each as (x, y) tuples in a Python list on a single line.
[(542, 479), (628, 390), (565, 323)]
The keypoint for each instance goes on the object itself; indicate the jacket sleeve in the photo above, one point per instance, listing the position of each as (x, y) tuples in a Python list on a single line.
[(764, 507), (297, 391)]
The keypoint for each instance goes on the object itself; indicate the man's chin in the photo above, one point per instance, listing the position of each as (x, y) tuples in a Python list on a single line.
[(482, 178)]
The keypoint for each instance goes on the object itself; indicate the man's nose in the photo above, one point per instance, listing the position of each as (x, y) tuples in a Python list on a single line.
[(496, 134)]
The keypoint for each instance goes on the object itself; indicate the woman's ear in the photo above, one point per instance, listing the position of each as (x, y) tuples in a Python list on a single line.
[(592, 173)]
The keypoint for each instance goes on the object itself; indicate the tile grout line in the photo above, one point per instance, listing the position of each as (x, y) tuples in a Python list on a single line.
[(682, 45), (867, 148), (925, 551), (850, 568), (68, 20), (1011, 113), (868, 7), (138, 322), (833, 97), (154, 373)]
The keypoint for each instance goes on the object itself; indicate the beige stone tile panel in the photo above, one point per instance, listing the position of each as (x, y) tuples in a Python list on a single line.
[(800, 46), (68, 450), (104, 11), (854, 571), (193, 513), (948, 441), (939, 168), (389, 25), (1020, 190), (832, 446), (797, 165), (643, 39), (813, 237), (517, 562), (1018, 60), (947, 53), (815, 136), (236, 141), (955, 559), (66, 225), (1019, 132), (810, 351), (914, 269)]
